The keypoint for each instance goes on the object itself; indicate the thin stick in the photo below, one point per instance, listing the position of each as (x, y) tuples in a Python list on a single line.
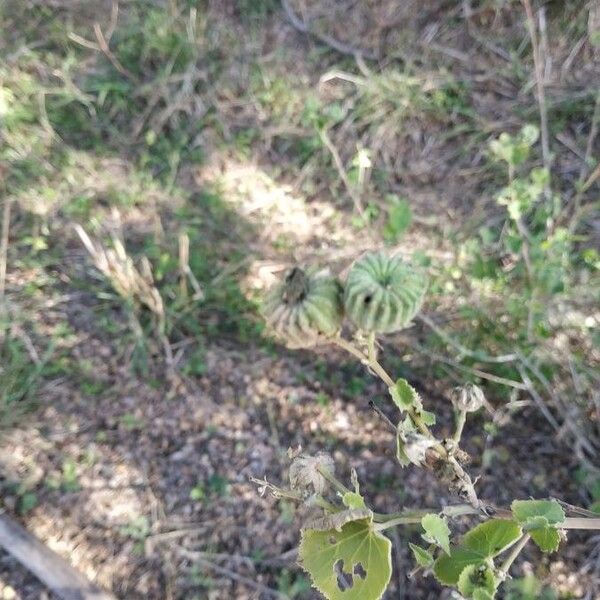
[(383, 416), (197, 558), (483, 374), (103, 45), (4, 245), (462, 349), (539, 78), (338, 46), (50, 568), (352, 192)]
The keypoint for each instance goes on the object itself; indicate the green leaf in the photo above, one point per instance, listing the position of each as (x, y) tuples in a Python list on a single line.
[(405, 396), (405, 429), (353, 500), (447, 568), (492, 537), (422, 556), (401, 455), (525, 510), (547, 539), (535, 523), (399, 220), (481, 594), (428, 417), (354, 563), (477, 577), (478, 546), (436, 531)]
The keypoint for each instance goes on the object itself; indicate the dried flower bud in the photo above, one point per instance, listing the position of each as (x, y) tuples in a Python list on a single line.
[(306, 472), (304, 308), (417, 449), (467, 398)]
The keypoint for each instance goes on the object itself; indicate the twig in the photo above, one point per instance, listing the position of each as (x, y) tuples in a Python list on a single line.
[(103, 45), (568, 422), (4, 245), (338, 46), (47, 565), (462, 349), (540, 81), (483, 374), (383, 416), (342, 172), (197, 558)]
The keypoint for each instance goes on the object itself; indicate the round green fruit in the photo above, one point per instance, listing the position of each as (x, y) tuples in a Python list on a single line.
[(304, 308), (383, 293)]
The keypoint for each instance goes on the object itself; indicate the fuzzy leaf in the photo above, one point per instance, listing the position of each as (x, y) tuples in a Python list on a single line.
[(547, 539), (405, 429), (337, 520), (353, 500), (481, 594), (436, 531), (405, 396), (492, 537), (524, 510), (422, 557), (477, 577), (401, 455), (428, 417), (352, 564), (447, 568), (535, 523)]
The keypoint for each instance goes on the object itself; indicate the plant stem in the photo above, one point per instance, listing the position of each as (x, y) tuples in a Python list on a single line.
[(452, 512), (397, 521), (371, 361), (462, 477), (580, 523), (510, 559), (325, 504), (461, 419), (332, 479)]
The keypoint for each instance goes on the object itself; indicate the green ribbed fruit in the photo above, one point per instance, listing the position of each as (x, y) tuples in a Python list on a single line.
[(304, 308), (383, 293)]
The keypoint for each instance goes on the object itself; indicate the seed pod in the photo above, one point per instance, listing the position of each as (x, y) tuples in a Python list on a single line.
[(304, 308), (383, 293), (305, 472), (467, 398)]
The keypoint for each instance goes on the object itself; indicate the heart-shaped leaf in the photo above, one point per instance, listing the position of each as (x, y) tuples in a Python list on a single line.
[(354, 563)]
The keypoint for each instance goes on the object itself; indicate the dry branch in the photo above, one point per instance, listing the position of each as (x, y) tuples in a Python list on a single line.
[(50, 568)]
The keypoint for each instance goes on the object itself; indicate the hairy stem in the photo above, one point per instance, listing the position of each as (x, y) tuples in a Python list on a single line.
[(333, 480), (461, 419), (510, 559), (397, 521), (372, 363)]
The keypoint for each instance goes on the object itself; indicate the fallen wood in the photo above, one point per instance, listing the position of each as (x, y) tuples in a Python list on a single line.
[(50, 568)]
